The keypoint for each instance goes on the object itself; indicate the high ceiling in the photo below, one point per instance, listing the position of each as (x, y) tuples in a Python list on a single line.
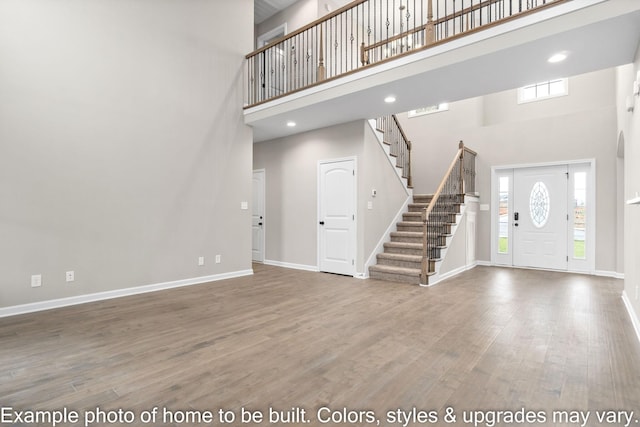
[(265, 9)]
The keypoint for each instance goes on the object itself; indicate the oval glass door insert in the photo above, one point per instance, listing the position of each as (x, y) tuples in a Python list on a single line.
[(539, 204)]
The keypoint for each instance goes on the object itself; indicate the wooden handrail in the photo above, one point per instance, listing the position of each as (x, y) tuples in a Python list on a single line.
[(439, 21), (442, 183), (399, 144), (406, 140), (470, 151)]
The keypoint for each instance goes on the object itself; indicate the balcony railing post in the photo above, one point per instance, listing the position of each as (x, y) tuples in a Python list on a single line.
[(430, 27), (364, 55), (322, 72)]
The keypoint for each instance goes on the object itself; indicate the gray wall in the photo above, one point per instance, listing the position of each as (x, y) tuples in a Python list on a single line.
[(291, 198), (629, 125), (123, 153), (581, 125)]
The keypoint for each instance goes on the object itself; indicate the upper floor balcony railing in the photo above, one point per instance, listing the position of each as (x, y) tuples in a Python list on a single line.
[(365, 33)]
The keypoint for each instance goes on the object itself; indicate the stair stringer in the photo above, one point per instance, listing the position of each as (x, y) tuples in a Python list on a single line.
[(392, 159), (386, 237)]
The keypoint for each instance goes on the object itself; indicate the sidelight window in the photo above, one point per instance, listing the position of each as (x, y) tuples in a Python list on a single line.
[(579, 214)]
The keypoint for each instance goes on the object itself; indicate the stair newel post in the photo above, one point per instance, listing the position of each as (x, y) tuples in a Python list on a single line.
[(409, 178), (425, 255), (322, 72), (461, 187), (430, 27)]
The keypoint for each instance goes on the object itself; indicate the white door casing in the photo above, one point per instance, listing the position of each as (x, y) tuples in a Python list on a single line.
[(275, 80), (571, 204), (336, 216), (258, 216)]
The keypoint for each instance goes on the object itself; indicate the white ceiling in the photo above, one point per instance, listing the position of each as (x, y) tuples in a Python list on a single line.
[(596, 35), (265, 9)]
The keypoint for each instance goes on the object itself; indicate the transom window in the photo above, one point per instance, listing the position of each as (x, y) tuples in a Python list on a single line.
[(543, 90), (429, 110)]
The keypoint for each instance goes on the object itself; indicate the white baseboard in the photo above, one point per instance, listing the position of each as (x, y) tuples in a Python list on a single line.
[(292, 265), (100, 296), (454, 272), (600, 273), (611, 274), (632, 314)]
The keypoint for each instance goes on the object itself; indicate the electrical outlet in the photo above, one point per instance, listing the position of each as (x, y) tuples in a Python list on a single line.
[(36, 280), (70, 276), (200, 260), (218, 259)]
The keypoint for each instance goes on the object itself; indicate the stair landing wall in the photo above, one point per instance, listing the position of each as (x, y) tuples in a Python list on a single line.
[(461, 253)]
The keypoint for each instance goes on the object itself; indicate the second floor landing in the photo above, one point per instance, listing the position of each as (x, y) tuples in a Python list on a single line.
[(593, 34)]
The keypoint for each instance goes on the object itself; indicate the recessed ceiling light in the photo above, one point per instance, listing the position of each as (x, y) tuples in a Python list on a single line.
[(291, 124), (558, 57), (389, 99)]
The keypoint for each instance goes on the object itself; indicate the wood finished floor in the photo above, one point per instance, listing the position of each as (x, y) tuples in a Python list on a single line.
[(489, 338)]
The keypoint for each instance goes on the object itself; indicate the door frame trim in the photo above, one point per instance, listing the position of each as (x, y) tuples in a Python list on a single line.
[(591, 201), (355, 207), (264, 213)]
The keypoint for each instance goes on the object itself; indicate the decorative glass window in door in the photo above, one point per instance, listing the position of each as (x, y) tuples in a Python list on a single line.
[(539, 204)]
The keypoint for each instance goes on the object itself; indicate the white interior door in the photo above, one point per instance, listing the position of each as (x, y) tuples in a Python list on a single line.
[(257, 218), (539, 220), (336, 217)]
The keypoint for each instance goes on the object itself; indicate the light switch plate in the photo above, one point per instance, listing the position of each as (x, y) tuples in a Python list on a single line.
[(36, 280)]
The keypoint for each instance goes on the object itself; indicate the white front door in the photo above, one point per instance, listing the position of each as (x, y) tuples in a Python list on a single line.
[(336, 217), (257, 218), (539, 220)]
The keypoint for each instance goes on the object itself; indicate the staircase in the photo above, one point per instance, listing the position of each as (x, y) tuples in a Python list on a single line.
[(415, 250), (401, 260)]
